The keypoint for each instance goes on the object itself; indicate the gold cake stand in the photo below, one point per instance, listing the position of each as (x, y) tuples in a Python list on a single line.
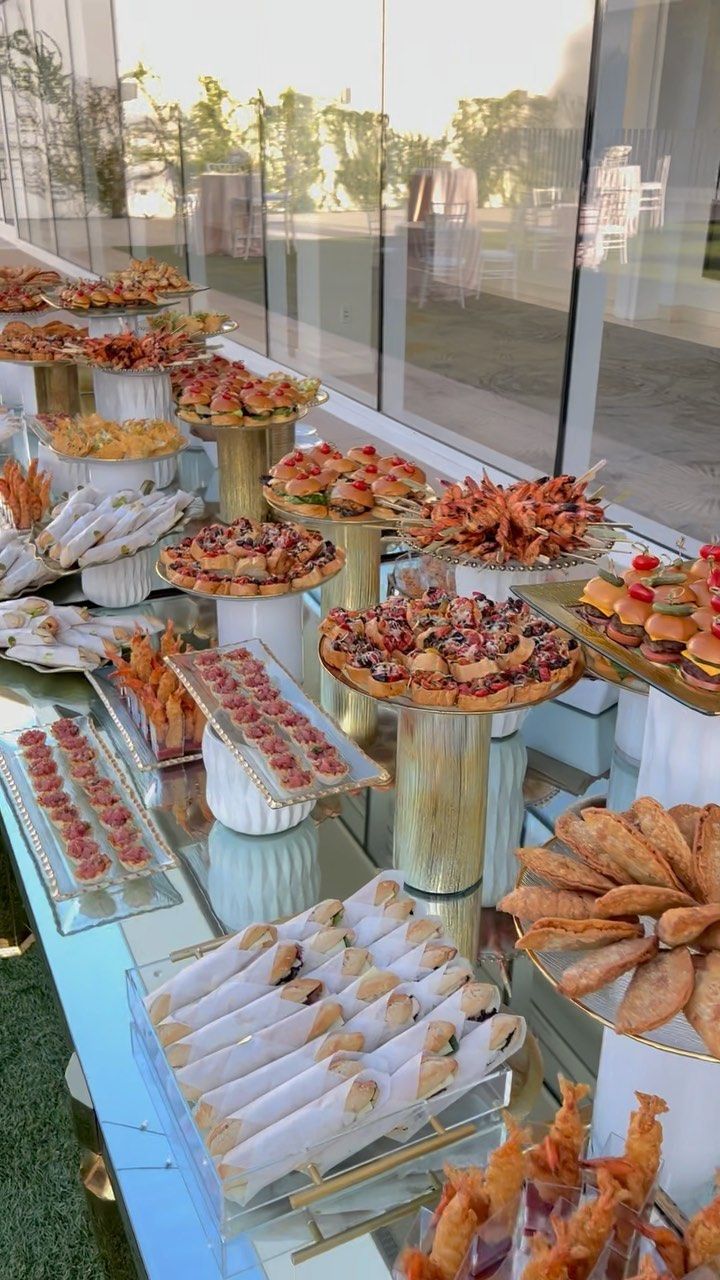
[(441, 786), (359, 589), (243, 454)]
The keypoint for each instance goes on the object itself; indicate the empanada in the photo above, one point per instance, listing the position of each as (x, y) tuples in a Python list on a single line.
[(686, 817), (628, 847), (656, 992), (709, 939), (599, 968), (706, 853), (564, 872), (551, 934), (573, 832), (703, 1007), (531, 902), (640, 900), (664, 835), (682, 925)]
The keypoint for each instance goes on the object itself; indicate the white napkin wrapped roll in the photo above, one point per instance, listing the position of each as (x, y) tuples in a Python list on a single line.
[(236, 993), (226, 1099), (258, 1050), (326, 913), (278, 963), (270, 1010), (428, 956), (318, 1079), (405, 938), (481, 1052), (441, 983), (321, 946), (291, 1142), (341, 970), (386, 1017), (476, 1002), (366, 990), (431, 1035), (372, 928), (203, 975), (373, 897)]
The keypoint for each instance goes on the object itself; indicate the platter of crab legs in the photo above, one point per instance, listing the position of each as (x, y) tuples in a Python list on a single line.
[(550, 522), (597, 1211)]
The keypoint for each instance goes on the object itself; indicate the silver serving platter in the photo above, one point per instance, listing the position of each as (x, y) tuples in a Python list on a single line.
[(42, 836)]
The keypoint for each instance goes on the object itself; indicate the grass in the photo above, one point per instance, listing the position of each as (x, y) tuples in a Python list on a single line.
[(45, 1230)]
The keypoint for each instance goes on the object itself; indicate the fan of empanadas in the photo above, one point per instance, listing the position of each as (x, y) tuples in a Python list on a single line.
[(656, 864)]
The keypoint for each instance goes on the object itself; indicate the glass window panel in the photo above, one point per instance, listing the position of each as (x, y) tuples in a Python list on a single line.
[(98, 112), (485, 115), (64, 155), (648, 323), (192, 149), (23, 78), (12, 176)]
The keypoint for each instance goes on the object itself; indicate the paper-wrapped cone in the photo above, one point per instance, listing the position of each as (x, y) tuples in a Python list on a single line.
[(203, 975)]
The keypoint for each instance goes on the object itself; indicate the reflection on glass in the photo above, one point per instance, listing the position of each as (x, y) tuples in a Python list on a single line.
[(100, 139), (484, 144), (648, 288), (62, 133), (25, 83)]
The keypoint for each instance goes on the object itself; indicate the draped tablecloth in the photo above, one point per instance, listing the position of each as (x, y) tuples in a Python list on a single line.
[(217, 192)]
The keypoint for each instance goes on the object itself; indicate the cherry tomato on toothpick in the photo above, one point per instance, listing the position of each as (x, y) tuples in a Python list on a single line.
[(710, 551), (713, 579), (715, 604), (639, 591), (645, 560)]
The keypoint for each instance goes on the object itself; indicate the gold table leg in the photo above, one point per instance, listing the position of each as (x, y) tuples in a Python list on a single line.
[(57, 388), (441, 799), (280, 440), (357, 587), (242, 460)]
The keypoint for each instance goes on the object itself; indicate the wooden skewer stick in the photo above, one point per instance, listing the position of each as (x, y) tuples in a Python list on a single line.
[(587, 475)]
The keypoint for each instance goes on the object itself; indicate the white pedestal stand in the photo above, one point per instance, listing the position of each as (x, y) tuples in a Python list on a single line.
[(691, 1088), (132, 395), (276, 620), (629, 733), (265, 877), (235, 801), (680, 752)]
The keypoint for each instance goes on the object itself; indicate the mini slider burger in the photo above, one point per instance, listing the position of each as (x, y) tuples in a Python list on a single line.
[(700, 661), (627, 624), (351, 500), (305, 495), (598, 600), (666, 637)]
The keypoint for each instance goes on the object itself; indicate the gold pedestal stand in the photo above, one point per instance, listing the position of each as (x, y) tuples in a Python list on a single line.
[(357, 588), (242, 458), (441, 799), (57, 388)]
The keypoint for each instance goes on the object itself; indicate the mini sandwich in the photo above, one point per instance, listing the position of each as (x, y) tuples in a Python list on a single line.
[(351, 500), (233, 1026), (305, 495), (700, 662), (627, 624), (666, 637), (598, 600)]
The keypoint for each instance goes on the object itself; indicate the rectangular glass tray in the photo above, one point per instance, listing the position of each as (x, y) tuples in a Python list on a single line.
[(299, 1214), (557, 601), (364, 771), (40, 834), (126, 730)]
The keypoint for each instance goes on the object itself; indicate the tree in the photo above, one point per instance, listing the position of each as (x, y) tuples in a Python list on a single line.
[(210, 133), (407, 152), (356, 137), (497, 138), (289, 146)]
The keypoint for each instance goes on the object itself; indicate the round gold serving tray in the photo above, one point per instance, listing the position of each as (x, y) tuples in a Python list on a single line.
[(406, 704), (210, 595), (388, 521), (446, 554), (106, 313), (205, 431), (676, 1036)]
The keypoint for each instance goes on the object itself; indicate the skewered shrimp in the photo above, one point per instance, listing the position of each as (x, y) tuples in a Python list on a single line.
[(702, 1235), (636, 1170), (505, 1171), (669, 1246), (590, 1226)]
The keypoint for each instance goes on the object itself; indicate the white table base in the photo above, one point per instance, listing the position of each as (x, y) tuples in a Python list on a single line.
[(276, 620), (680, 753), (691, 1089), (119, 396)]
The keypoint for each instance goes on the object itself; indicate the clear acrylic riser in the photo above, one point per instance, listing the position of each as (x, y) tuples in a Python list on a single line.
[(294, 1215)]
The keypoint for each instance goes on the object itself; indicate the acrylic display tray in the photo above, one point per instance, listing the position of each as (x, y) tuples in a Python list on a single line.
[(129, 732), (377, 1185), (558, 602), (44, 840), (364, 771)]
